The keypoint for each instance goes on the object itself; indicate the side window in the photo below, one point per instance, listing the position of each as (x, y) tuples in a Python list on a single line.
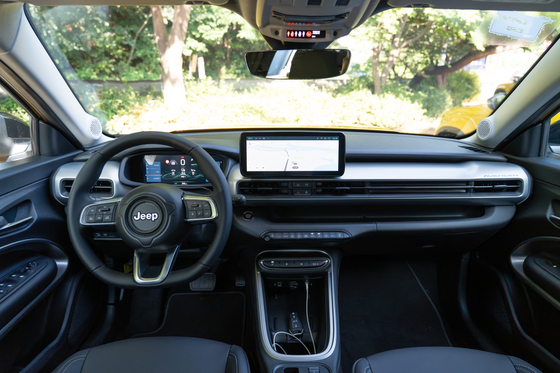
[(15, 132)]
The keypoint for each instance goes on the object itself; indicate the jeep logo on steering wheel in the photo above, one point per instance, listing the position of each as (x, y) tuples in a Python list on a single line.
[(153, 216)]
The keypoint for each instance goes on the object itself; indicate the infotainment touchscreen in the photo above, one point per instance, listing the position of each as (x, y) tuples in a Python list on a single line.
[(292, 154)]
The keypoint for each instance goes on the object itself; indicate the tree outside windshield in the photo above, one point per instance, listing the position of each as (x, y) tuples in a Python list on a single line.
[(421, 71)]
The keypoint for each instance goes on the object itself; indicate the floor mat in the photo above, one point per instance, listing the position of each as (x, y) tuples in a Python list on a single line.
[(383, 307), (215, 316)]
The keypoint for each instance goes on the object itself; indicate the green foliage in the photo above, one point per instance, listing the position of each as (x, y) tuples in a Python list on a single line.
[(462, 86), (8, 105), (114, 101), (211, 105), (98, 40), (223, 38), (434, 100)]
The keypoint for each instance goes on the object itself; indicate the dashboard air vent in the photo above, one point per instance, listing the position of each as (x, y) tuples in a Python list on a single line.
[(376, 188), (497, 186), (473, 149), (101, 189)]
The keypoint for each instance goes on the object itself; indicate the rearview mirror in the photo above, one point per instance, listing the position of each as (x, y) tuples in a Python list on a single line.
[(298, 64)]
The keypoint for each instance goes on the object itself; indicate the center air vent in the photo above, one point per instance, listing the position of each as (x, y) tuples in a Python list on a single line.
[(101, 189), (376, 188)]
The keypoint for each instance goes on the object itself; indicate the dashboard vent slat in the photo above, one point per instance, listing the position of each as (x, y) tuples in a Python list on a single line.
[(101, 189), (377, 188)]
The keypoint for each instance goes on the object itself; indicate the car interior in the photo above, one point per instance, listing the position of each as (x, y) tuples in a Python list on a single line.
[(291, 250)]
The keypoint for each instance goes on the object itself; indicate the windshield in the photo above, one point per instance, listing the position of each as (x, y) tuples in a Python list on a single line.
[(420, 71)]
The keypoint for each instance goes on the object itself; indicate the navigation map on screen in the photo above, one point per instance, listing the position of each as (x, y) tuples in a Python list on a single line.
[(292, 154)]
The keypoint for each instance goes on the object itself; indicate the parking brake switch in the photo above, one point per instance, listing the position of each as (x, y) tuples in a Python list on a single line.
[(296, 327)]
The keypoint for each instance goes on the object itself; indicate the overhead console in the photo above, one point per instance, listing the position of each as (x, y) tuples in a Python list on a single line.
[(311, 21)]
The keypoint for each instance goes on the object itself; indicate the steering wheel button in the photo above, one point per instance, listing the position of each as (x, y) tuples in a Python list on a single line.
[(90, 219), (91, 211), (199, 214), (192, 214), (207, 213), (205, 205), (98, 218), (107, 218)]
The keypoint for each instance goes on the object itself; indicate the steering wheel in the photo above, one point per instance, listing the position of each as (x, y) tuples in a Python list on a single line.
[(152, 219)]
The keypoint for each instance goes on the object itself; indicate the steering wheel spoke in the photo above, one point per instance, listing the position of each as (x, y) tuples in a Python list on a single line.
[(148, 269), (199, 208), (100, 213)]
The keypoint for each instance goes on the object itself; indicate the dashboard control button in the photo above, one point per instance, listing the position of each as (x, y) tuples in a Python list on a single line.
[(285, 235), (302, 192), (247, 215), (312, 235), (306, 235), (319, 235), (266, 237), (299, 235), (297, 184), (292, 235), (339, 235), (346, 235)]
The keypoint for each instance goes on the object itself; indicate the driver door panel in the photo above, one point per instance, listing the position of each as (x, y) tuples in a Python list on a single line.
[(34, 259)]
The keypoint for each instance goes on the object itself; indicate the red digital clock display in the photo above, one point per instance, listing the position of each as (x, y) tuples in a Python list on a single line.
[(306, 34)]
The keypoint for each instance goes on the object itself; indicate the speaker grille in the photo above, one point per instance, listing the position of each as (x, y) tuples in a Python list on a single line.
[(484, 129), (95, 128)]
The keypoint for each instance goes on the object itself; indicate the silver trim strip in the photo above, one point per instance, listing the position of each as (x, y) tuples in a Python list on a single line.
[(333, 336), (16, 223), (465, 171), (165, 268), (202, 198), (69, 171)]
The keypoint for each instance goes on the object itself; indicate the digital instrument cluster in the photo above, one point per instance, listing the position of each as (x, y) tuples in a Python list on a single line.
[(173, 169)]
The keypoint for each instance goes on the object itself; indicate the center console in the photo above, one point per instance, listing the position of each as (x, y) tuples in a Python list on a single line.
[(297, 312)]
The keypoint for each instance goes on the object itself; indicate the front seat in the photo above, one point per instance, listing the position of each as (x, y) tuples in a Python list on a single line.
[(441, 360), (158, 355)]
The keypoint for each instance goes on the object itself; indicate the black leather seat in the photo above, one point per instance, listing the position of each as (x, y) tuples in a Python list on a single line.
[(441, 360), (158, 355)]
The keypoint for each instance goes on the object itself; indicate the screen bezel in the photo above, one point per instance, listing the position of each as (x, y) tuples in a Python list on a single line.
[(243, 155)]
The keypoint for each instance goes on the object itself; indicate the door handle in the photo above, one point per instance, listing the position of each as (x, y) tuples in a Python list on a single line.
[(554, 220), (14, 225)]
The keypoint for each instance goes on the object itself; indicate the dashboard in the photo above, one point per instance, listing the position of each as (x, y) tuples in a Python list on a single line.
[(357, 191)]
